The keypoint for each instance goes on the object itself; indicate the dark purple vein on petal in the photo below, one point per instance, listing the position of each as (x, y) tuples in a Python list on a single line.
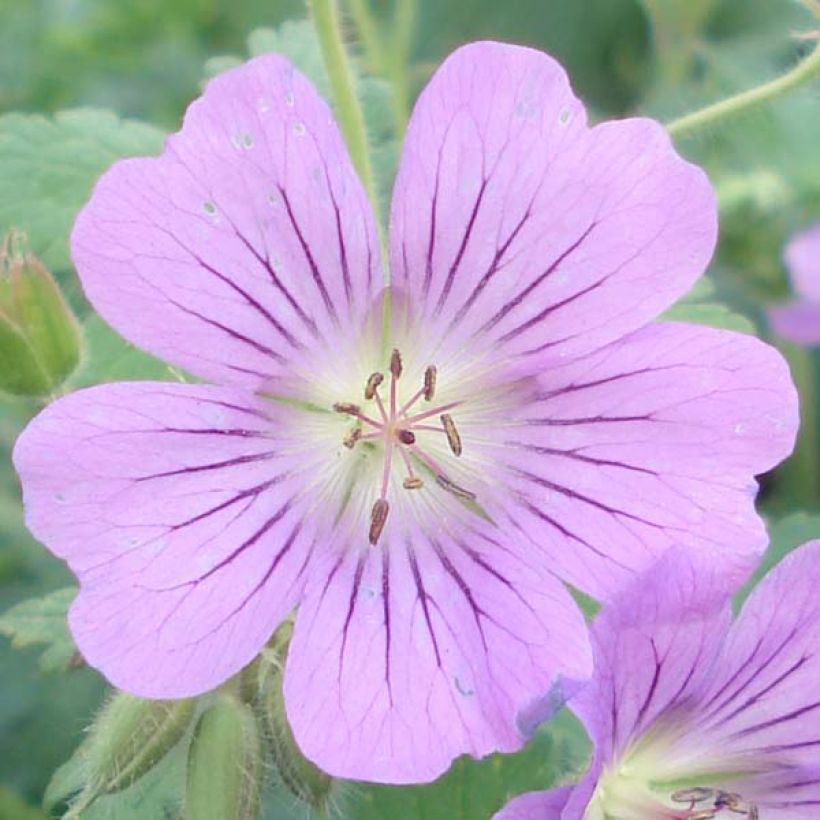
[(216, 465), (234, 334), (491, 271), (314, 269), (277, 283), (351, 605), (448, 282), (431, 240), (387, 626), (519, 298), (423, 599), (575, 456)]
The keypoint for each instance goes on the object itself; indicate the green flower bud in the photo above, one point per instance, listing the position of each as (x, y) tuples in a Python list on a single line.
[(301, 777), (224, 763), (39, 336), (129, 737)]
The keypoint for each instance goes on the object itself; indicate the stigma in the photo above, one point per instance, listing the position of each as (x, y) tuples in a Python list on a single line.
[(384, 420)]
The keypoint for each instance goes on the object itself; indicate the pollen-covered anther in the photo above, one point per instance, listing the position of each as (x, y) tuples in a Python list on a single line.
[(373, 382), (378, 518), (453, 438), (720, 800), (395, 364), (430, 383), (412, 483), (347, 408), (352, 437)]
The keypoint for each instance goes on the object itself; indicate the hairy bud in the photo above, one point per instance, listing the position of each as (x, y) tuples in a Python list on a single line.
[(224, 763), (39, 336)]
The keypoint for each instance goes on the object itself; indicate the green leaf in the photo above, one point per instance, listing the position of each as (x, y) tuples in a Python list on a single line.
[(477, 789), (701, 306), (48, 167), (13, 807), (42, 621), (109, 357)]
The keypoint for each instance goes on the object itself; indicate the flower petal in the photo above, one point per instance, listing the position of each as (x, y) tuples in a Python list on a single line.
[(177, 508), (247, 242), (408, 655), (797, 322), (803, 261), (762, 700), (535, 806), (648, 444), (652, 646), (517, 224)]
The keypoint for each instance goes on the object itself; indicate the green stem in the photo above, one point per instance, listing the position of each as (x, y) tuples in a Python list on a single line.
[(348, 110), (804, 71)]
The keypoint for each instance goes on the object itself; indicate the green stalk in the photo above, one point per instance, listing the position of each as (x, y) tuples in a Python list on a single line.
[(803, 72), (348, 109)]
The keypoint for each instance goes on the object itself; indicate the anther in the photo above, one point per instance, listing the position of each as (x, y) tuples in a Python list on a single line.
[(352, 437), (412, 483), (378, 517), (395, 364), (407, 437), (430, 382), (731, 801), (347, 408), (697, 794), (704, 814), (453, 438), (373, 382), (452, 487)]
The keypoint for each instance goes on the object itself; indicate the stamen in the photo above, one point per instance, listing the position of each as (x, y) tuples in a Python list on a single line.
[(454, 488), (395, 364), (378, 517), (373, 382), (412, 483), (352, 437), (703, 814), (697, 794), (347, 408), (453, 438), (407, 437), (429, 382)]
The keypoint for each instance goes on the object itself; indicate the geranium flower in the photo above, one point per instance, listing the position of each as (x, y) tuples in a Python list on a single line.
[(799, 321), (418, 477), (694, 717)]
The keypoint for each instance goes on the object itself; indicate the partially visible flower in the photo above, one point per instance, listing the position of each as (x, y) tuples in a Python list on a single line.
[(416, 481), (692, 716), (799, 321)]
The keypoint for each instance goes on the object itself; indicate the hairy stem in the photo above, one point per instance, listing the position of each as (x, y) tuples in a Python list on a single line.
[(805, 70)]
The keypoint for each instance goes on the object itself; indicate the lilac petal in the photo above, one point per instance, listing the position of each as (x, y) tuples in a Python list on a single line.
[(763, 700), (519, 225), (246, 243), (535, 806), (653, 645), (408, 656), (797, 322), (803, 260), (648, 444), (176, 507)]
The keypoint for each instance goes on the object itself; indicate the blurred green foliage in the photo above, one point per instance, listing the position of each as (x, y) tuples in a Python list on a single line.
[(122, 61)]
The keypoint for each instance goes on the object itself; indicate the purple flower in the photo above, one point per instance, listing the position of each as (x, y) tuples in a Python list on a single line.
[(416, 481), (799, 321), (693, 716)]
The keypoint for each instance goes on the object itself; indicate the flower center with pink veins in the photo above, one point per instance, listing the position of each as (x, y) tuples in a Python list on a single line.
[(395, 426)]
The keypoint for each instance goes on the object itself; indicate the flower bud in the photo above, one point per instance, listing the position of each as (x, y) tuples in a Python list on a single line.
[(301, 777), (129, 737), (39, 336), (224, 763)]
